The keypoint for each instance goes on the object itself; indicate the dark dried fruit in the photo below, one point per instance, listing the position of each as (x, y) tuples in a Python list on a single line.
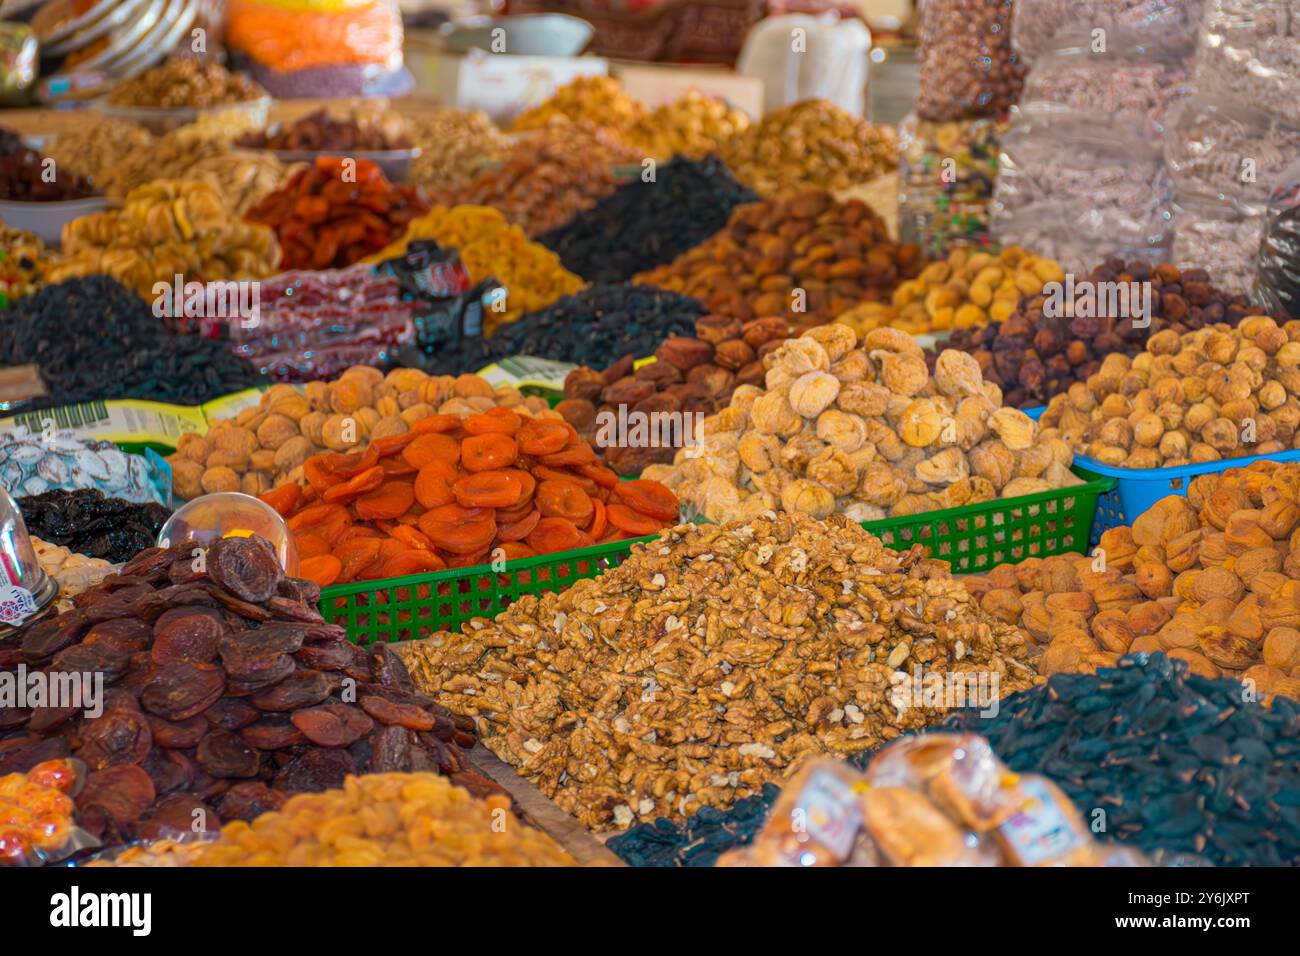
[(300, 689), (125, 635), (333, 725), (249, 800), (401, 715), (118, 737), (223, 755), (390, 750), (273, 733), (179, 814), (123, 793), (182, 689), (314, 771), (231, 713), (194, 637), (246, 567)]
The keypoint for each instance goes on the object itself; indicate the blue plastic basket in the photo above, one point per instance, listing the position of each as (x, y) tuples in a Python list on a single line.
[(1139, 489)]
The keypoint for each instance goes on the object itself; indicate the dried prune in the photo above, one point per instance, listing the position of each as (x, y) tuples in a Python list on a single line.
[(223, 755), (300, 689), (391, 712), (273, 733), (249, 800), (178, 734), (231, 714), (333, 725), (125, 635), (168, 769), (314, 771), (390, 750), (192, 637), (246, 567), (182, 689), (327, 657), (51, 635), (178, 814), (123, 793), (24, 758), (118, 737)]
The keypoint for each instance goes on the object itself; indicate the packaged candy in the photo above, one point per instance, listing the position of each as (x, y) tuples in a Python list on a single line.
[(1045, 829), (816, 820), (1249, 52), (1226, 234), (37, 824), (1225, 150)]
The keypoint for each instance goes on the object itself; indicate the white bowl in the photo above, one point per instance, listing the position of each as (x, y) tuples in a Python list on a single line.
[(540, 34), (47, 219)]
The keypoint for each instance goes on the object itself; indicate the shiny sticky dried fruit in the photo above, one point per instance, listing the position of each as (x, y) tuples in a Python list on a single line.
[(223, 754), (300, 689), (246, 567), (181, 689), (192, 637), (332, 725)]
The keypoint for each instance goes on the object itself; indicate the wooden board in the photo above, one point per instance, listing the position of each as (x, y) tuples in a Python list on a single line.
[(541, 812)]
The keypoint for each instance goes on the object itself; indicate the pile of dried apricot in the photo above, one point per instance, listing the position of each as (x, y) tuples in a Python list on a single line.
[(456, 492)]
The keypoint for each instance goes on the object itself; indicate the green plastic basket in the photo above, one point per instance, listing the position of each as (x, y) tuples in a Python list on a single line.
[(418, 605), (977, 538), (972, 539)]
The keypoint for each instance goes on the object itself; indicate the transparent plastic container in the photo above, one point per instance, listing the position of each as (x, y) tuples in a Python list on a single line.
[(227, 514), (25, 589)]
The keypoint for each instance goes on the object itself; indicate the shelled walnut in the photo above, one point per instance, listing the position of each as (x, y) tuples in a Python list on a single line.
[(865, 430), (711, 661), (1212, 579), (1216, 393)]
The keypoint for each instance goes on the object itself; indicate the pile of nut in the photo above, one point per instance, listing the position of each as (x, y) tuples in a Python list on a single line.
[(454, 145), (1041, 349), (380, 819), (186, 81), (488, 245), (864, 430), (582, 99), (73, 572), (97, 148), (1211, 579), (809, 258), (169, 227), (810, 145), (540, 186), (692, 125), (968, 288), (265, 445), (1219, 392), (710, 662), (690, 376)]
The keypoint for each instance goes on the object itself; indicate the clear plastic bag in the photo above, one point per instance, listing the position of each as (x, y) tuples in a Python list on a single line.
[(832, 67), (1059, 157), (968, 68), (1080, 238), (946, 178), (1222, 235), (1168, 25), (1125, 89), (1277, 282), (1249, 51), (1225, 150)]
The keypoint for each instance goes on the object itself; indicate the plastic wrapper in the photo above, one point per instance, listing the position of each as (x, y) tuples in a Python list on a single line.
[(946, 179), (1249, 51), (1046, 828), (1078, 238), (1223, 234), (1278, 272), (1169, 25), (37, 814), (1060, 158), (1225, 150), (32, 463), (833, 67), (817, 819), (314, 325), (968, 68), (19, 63), (958, 771), (1126, 89), (296, 39)]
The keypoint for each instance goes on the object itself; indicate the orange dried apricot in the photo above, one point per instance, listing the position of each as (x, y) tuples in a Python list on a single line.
[(488, 489), (488, 452)]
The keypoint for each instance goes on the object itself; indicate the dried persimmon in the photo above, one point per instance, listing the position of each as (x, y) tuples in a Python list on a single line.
[(488, 452), (413, 561), (501, 421), (518, 530), (430, 448), (564, 499), (433, 484), (460, 537), (650, 498), (389, 500), (283, 499), (633, 522), (554, 534), (542, 436), (488, 489), (358, 484)]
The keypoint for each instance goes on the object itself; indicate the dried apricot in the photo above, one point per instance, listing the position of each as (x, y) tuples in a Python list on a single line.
[(283, 499), (501, 421), (430, 448), (313, 516), (389, 500), (516, 551), (390, 445), (433, 484), (518, 530), (554, 534), (544, 473), (324, 569), (358, 484), (633, 522), (542, 436), (599, 520), (318, 474), (356, 555), (564, 499), (413, 561), (488, 489), (311, 545), (600, 474), (350, 464), (650, 498), (435, 423), (412, 537), (571, 456), (488, 452), (462, 537)]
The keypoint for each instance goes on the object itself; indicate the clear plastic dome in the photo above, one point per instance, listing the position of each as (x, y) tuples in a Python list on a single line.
[(230, 514), (25, 588)]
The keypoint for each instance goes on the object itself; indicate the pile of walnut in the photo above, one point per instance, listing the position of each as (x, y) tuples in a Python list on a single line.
[(864, 430), (711, 661), (1215, 393), (265, 445), (1212, 579)]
